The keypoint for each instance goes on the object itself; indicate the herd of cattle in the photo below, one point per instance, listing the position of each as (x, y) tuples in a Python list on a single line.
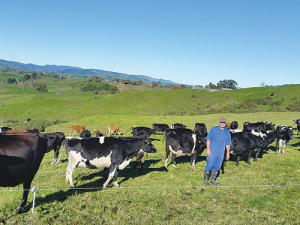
[(22, 151)]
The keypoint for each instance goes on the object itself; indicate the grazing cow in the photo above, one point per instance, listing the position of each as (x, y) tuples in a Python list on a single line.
[(246, 142), (94, 153), (141, 131), (20, 158), (85, 134), (113, 129), (160, 127), (298, 125), (55, 141), (100, 133), (3, 130), (178, 125), (183, 142), (259, 126), (22, 131), (76, 129), (285, 134), (200, 128)]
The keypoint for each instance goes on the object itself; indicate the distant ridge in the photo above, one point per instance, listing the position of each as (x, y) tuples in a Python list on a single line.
[(4, 64)]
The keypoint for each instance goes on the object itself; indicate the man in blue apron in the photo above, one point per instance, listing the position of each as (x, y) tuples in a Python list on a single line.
[(218, 139)]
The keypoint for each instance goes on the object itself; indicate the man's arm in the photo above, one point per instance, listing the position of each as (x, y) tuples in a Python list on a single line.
[(208, 153)]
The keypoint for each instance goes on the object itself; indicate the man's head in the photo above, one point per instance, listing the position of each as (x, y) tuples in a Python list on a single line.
[(222, 122)]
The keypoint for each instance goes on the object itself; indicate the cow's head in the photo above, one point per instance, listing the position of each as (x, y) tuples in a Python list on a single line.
[(297, 122), (271, 126), (148, 146)]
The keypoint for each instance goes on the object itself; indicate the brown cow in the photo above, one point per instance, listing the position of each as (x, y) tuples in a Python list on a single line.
[(113, 129), (100, 133), (22, 131), (76, 129)]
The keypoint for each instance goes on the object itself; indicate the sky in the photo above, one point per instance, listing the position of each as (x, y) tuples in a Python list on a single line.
[(194, 42)]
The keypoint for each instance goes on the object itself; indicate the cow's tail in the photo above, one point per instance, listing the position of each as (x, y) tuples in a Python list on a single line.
[(127, 130), (62, 151)]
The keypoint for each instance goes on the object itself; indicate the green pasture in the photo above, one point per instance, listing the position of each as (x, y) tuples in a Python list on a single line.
[(264, 192)]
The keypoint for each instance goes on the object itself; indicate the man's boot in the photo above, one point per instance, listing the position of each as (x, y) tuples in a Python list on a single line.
[(206, 176), (214, 175)]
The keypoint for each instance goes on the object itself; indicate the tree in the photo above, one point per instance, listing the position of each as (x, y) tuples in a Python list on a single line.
[(11, 81), (227, 84), (41, 87), (113, 89), (26, 77)]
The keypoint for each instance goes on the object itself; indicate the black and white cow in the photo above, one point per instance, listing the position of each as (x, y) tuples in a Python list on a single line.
[(20, 158), (55, 141), (97, 153), (178, 125), (285, 134), (183, 142), (246, 142), (297, 122), (160, 127), (262, 126)]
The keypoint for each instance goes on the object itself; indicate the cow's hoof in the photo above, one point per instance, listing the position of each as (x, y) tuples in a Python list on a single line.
[(236, 164), (21, 209)]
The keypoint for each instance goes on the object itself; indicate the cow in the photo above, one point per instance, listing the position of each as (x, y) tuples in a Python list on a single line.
[(183, 142), (20, 157), (246, 142), (297, 122), (55, 141), (113, 129), (22, 131), (100, 133), (201, 129), (262, 126), (3, 130), (76, 129), (285, 134), (141, 131), (160, 127), (232, 126), (178, 125), (96, 153), (85, 134)]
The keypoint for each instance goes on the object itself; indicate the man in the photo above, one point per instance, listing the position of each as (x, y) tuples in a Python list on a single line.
[(218, 139)]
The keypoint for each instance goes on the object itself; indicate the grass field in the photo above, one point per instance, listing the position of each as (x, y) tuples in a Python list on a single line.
[(264, 192)]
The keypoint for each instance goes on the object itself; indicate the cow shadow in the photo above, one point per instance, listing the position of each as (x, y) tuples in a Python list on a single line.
[(185, 159), (125, 174), (296, 145)]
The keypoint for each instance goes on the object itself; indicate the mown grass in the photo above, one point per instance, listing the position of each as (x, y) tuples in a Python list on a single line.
[(264, 192)]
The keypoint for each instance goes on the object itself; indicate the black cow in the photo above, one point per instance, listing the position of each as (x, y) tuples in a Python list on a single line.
[(55, 141), (298, 125), (246, 142), (259, 126), (3, 130), (183, 142), (20, 158), (178, 125), (285, 134), (160, 127), (85, 134), (201, 129), (233, 125), (142, 131), (96, 153)]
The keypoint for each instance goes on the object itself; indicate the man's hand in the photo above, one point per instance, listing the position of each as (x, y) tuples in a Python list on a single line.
[(208, 152)]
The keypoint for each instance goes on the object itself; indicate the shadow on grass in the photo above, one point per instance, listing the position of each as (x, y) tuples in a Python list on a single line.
[(126, 173)]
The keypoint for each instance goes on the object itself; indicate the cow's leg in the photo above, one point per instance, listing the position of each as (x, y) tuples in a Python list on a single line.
[(173, 159), (26, 187), (55, 157), (116, 178), (112, 171), (238, 160), (167, 156), (69, 171), (249, 156), (257, 154), (193, 159)]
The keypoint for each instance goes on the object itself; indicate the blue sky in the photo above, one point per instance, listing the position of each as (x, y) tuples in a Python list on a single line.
[(189, 42)]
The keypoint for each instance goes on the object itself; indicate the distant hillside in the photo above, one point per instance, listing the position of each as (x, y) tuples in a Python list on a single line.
[(79, 71)]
